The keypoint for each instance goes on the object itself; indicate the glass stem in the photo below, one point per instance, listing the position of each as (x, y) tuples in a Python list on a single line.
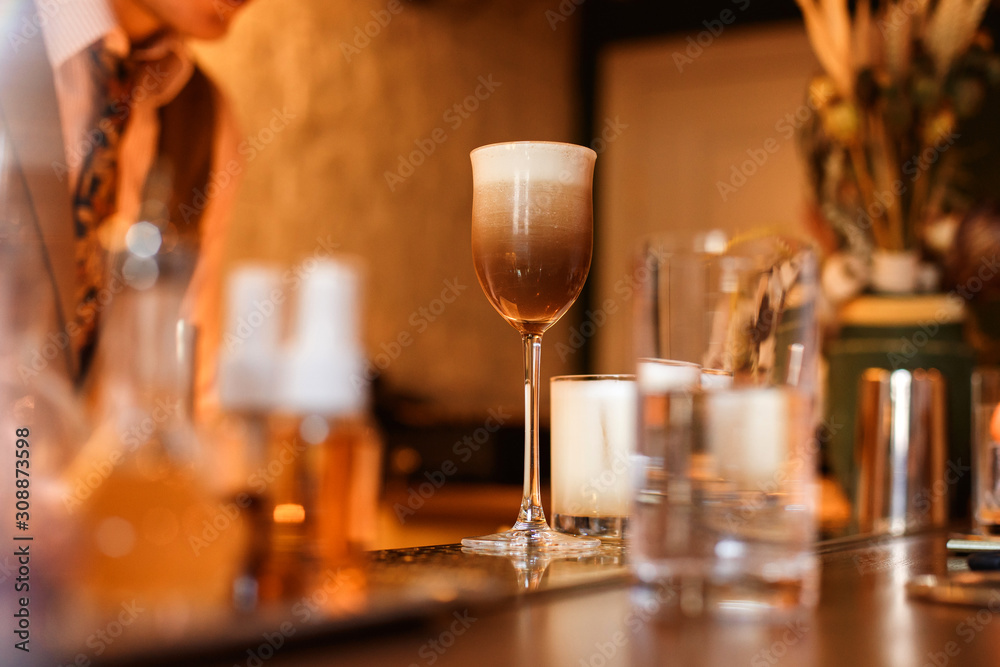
[(531, 514)]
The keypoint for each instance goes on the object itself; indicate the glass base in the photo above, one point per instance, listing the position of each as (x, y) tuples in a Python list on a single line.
[(746, 597), (543, 539), (690, 587), (603, 527)]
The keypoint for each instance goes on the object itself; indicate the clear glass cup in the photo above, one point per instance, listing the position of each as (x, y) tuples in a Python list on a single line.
[(592, 428), (725, 474), (532, 239), (986, 451)]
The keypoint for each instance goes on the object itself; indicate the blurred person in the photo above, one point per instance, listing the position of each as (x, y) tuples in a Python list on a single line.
[(105, 120)]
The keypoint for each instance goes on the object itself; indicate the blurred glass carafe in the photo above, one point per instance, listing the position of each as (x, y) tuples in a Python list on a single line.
[(724, 469), (153, 527)]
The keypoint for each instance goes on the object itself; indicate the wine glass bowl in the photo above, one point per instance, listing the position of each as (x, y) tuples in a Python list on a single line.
[(532, 229), (532, 240)]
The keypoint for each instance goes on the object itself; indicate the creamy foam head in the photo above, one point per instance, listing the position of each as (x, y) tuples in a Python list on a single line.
[(536, 160)]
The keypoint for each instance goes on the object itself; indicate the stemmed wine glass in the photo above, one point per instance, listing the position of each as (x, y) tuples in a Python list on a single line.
[(532, 238)]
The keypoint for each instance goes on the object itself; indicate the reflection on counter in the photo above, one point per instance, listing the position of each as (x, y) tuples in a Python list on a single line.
[(386, 587)]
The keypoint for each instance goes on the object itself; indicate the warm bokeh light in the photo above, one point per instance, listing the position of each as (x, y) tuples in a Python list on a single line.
[(289, 513), (995, 425)]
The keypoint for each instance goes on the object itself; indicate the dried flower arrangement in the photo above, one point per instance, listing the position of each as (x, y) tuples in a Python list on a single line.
[(886, 149)]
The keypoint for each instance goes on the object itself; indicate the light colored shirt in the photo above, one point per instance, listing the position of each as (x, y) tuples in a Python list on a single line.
[(67, 33), (166, 67)]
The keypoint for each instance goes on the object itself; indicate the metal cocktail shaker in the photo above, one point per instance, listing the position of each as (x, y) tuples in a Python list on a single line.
[(901, 451)]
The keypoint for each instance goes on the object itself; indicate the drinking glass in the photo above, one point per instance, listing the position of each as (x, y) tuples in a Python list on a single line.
[(532, 238), (725, 469)]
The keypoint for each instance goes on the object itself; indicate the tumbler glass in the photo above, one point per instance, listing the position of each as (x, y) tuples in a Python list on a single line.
[(725, 475)]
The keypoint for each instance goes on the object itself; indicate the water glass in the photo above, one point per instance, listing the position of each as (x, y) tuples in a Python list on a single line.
[(724, 471)]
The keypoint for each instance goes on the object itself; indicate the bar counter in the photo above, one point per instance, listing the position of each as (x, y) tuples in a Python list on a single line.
[(587, 612)]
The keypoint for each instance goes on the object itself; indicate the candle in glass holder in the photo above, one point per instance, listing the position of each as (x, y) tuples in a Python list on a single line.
[(593, 427)]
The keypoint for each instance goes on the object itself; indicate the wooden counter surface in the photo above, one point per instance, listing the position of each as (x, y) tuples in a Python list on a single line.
[(865, 617)]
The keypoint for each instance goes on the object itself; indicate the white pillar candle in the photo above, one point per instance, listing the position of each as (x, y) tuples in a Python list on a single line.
[(593, 427), (658, 376), (747, 434)]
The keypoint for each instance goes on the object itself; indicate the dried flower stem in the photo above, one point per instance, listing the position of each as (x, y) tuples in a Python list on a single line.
[(889, 175), (919, 205), (936, 193), (860, 164)]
